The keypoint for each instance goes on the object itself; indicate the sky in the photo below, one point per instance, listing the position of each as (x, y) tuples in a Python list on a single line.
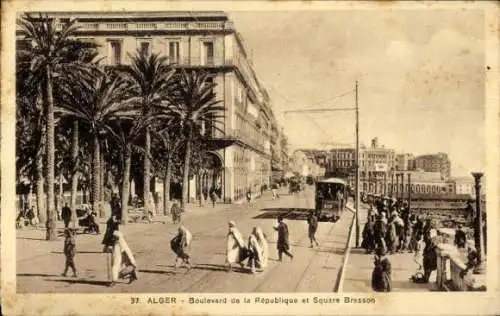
[(421, 77)]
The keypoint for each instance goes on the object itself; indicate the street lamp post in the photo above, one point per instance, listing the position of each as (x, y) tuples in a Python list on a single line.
[(478, 227), (409, 192), (392, 183), (397, 185)]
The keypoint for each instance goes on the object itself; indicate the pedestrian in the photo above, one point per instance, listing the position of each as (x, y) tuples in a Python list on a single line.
[(175, 210), (66, 215), (91, 219), (249, 196), (312, 221), (429, 254), (69, 251), (419, 253), (123, 261), (213, 196), (380, 231), (368, 242), (236, 249), (283, 239), (179, 245), (108, 241), (460, 237), (391, 237), (274, 190), (255, 252), (381, 275), (262, 240)]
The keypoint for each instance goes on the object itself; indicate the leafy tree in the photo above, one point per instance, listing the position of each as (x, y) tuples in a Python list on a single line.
[(194, 103), (168, 144), (95, 103), (48, 54), (126, 130), (152, 76)]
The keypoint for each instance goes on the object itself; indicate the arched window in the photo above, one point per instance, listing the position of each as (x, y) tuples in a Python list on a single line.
[(412, 187), (417, 188)]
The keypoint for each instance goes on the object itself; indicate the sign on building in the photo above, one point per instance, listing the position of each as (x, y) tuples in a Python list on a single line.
[(381, 167)]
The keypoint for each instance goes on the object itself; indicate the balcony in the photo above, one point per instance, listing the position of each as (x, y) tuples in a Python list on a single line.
[(235, 135)]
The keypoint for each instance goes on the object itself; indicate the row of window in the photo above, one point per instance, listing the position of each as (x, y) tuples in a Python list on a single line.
[(173, 49), (415, 188)]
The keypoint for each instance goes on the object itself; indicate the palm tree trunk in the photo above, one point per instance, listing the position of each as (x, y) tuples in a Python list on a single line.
[(61, 192), (102, 167), (40, 192), (147, 169), (166, 186), (74, 173), (126, 185), (187, 160), (95, 177), (49, 102)]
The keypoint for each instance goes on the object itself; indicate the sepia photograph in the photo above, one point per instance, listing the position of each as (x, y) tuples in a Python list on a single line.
[(236, 149)]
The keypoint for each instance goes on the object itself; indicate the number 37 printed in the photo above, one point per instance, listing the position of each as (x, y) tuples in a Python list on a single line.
[(134, 300)]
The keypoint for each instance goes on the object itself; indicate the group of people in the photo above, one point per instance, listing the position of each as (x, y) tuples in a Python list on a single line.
[(256, 249), (390, 229)]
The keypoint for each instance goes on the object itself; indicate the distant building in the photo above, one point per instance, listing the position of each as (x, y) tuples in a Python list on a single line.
[(434, 163), (405, 162), (463, 185)]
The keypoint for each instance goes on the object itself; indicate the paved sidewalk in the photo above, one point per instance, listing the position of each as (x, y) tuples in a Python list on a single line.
[(26, 236), (360, 266), (40, 262)]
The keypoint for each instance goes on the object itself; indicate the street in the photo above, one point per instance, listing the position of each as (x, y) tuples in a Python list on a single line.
[(40, 263)]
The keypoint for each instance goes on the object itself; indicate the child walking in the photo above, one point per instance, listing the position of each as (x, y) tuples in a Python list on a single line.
[(69, 251)]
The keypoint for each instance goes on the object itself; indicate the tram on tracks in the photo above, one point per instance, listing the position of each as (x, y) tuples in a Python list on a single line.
[(331, 197)]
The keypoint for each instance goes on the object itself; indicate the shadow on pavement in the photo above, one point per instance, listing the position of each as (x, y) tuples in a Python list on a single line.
[(61, 253), (288, 213), (218, 267), (35, 275), (77, 281), (155, 271)]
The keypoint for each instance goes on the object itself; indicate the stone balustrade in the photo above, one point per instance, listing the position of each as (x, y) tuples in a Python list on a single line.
[(450, 265)]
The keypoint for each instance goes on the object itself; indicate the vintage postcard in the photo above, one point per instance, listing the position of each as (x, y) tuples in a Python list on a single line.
[(249, 158)]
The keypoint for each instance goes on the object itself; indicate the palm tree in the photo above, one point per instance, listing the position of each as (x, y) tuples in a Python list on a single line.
[(48, 59), (153, 78), (125, 131), (169, 141), (194, 103), (95, 103)]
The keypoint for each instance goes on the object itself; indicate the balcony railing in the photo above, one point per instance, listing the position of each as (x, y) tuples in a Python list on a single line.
[(242, 136), (150, 26)]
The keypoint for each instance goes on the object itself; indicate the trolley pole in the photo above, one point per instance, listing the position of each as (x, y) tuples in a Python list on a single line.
[(357, 168)]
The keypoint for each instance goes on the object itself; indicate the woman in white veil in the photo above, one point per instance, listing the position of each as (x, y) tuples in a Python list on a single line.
[(236, 250), (261, 239), (123, 263)]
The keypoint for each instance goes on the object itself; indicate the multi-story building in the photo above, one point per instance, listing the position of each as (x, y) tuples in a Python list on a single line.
[(434, 163), (463, 185), (405, 162), (241, 143), (341, 162)]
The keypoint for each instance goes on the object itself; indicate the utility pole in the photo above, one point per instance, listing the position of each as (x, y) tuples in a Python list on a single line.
[(357, 167), (356, 109)]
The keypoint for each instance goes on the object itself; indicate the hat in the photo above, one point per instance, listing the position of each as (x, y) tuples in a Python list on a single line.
[(232, 223)]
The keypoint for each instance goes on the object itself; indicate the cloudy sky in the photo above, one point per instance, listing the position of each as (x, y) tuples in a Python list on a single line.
[(421, 77)]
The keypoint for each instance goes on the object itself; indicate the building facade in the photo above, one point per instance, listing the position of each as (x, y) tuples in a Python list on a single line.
[(434, 163), (405, 162), (241, 143)]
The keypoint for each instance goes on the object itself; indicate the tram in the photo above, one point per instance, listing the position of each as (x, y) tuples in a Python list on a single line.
[(331, 197)]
